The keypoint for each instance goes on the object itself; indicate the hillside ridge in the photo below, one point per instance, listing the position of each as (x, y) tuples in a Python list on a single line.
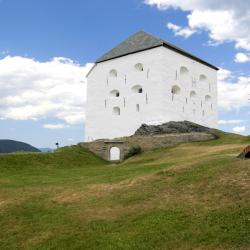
[(10, 146), (190, 196)]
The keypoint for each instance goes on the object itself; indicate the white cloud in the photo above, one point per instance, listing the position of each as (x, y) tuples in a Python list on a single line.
[(239, 129), (4, 52), (32, 90), (232, 95), (225, 122), (223, 74), (55, 126), (224, 20), (179, 31), (241, 58)]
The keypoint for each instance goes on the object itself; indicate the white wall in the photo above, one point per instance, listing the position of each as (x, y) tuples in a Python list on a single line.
[(156, 105), (173, 110)]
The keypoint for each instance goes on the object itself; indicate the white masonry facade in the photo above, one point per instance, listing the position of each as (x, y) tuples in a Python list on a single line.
[(153, 85)]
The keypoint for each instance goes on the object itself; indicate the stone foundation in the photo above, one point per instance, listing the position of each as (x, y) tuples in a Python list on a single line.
[(102, 147)]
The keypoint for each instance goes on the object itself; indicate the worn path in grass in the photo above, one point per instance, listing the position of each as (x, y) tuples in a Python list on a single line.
[(191, 196)]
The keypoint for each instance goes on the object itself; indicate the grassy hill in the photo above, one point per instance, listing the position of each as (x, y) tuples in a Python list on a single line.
[(192, 196)]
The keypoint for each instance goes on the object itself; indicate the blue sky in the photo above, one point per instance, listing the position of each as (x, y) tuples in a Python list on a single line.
[(60, 39)]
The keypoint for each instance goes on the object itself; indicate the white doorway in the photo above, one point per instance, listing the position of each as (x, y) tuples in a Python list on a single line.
[(115, 154)]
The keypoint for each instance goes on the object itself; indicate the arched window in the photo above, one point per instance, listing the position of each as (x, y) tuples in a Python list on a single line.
[(139, 67), (137, 89), (116, 111), (113, 73), (114, 154), (183, 71), (114, 93), (175, 91), (193, 95), (203, 78), (208, 99)]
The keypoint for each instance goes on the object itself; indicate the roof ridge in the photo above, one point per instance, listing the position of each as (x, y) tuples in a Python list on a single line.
[(141, 41)]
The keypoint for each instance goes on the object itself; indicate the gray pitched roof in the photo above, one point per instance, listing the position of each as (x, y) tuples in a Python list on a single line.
[(141, 41)]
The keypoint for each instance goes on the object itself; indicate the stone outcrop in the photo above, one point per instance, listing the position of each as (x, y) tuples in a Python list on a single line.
[(171, 128)]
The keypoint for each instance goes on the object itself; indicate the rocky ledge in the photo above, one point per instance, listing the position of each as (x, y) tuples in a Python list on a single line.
[(171, 128)]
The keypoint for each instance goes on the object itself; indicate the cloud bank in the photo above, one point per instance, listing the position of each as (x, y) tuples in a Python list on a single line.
[(241, 58), (224, 20), (232, 94), (33, 90), (55, 126), (239, 129), (225, 122)]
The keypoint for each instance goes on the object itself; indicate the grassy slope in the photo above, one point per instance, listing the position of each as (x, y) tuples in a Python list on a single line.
[(192, 196)]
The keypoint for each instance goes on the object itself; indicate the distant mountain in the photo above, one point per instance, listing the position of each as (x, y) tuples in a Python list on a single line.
[(9, 146), (46, 150)]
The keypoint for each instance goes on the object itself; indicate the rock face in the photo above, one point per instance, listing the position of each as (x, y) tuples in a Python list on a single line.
[(171, 128)]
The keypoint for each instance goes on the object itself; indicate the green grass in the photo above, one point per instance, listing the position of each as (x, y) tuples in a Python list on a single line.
[(191, 196)]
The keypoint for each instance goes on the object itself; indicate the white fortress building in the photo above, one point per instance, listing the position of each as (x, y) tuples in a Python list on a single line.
[(148, 80)]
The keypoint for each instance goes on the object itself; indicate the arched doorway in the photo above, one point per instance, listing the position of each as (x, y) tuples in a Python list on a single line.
[(115, 154)]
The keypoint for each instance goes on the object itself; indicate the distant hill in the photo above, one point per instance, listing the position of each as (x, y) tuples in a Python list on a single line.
[(9, 146), (46, 150)]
